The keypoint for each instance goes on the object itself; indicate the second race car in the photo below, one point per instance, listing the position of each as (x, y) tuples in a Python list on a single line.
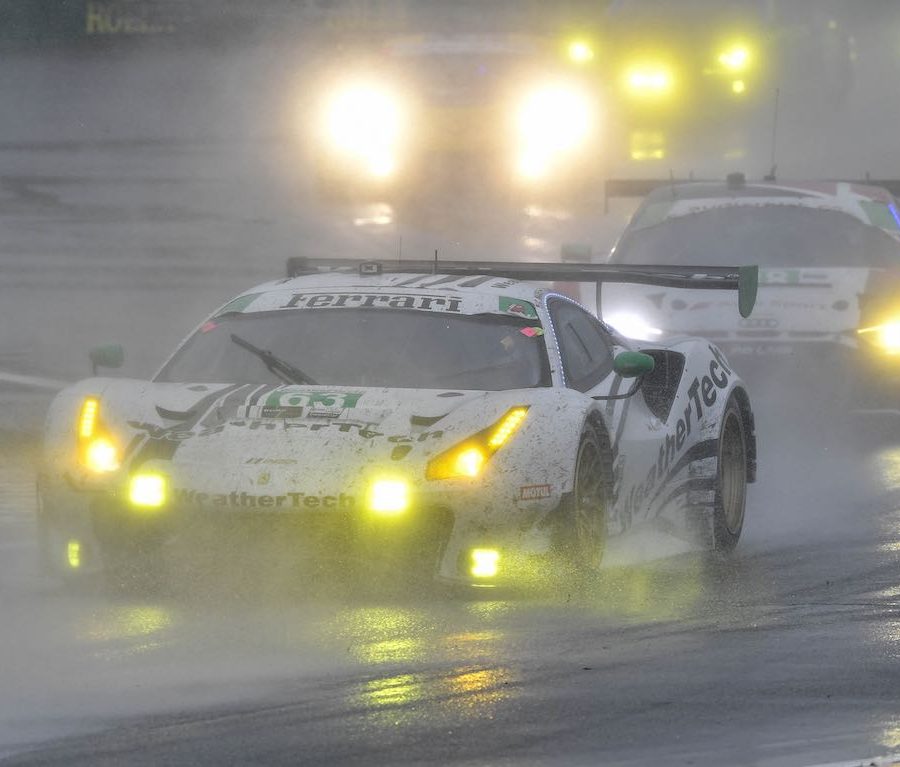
[(829, 255)]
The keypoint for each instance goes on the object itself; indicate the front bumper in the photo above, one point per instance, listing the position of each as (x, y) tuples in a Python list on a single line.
[(432, 540)]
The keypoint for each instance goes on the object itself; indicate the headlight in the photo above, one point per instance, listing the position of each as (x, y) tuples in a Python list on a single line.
[(101, 455), (735, 58), (467, 459), (649, 81), (886, 336), (552, 121), (366, 122), (96, 449), (147, 491), (580, 52)]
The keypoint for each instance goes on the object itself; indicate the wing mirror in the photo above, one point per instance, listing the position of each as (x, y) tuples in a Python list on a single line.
[(111, 356), (633, 364), (630, 365)]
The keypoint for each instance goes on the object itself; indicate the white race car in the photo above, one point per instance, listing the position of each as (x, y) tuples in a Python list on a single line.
[(829, 256), (456, 424)]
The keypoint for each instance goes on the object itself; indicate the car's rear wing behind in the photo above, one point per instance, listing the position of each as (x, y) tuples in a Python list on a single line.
[(743, 279)]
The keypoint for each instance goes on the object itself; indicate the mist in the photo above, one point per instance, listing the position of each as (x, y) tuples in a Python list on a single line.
[(146, 179)]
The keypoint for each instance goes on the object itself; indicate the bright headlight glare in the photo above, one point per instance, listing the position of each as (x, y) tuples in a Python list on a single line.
[(886, 336), (101, 455), (580, 52), (365, 121), (389, 497), (554, 118), (735, 59), (468, 458), (147, 491), (633, 326)]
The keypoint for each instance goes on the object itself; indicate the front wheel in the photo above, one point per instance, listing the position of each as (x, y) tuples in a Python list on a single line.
[(585, 522), (731, 480)]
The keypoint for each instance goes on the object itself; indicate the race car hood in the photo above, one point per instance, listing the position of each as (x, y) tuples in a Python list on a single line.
[(283, 439), (793, 305)]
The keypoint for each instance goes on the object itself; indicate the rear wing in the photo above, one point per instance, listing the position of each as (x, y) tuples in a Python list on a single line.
[(743, 279)]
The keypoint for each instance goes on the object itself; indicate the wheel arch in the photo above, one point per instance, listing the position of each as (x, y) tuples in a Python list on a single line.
[(739, 394)]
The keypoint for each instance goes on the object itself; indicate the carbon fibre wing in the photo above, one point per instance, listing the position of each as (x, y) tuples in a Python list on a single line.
[(743, 279)]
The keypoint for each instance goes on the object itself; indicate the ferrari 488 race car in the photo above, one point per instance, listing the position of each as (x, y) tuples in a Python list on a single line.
[(460, 424), (829, 255)]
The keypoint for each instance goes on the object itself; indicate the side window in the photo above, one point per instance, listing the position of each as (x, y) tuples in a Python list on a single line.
[(583, 344)]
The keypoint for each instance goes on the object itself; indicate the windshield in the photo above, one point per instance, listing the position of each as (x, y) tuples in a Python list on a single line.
[(772, 235), (359, 347)]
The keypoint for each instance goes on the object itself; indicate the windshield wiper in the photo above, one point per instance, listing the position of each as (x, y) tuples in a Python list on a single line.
[(284, 370)]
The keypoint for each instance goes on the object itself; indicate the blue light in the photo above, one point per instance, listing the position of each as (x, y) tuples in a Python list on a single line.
[(893, 209)]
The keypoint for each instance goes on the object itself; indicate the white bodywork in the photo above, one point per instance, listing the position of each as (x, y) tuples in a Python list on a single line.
[(230, 448), (798, 307)]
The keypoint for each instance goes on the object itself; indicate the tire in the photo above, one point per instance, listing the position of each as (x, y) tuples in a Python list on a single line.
[(731, 480), (585, 522)]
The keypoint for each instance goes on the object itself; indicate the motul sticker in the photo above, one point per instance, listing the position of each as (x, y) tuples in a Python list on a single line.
[(534, 492)]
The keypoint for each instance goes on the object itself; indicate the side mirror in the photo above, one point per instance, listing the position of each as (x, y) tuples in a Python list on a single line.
[(633, 364), (111, 356)]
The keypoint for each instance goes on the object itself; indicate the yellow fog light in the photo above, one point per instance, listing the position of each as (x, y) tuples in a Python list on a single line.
[(101, 455), (73, 554), (389, 497), (738, 87), (147, 490), (484, 563)]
